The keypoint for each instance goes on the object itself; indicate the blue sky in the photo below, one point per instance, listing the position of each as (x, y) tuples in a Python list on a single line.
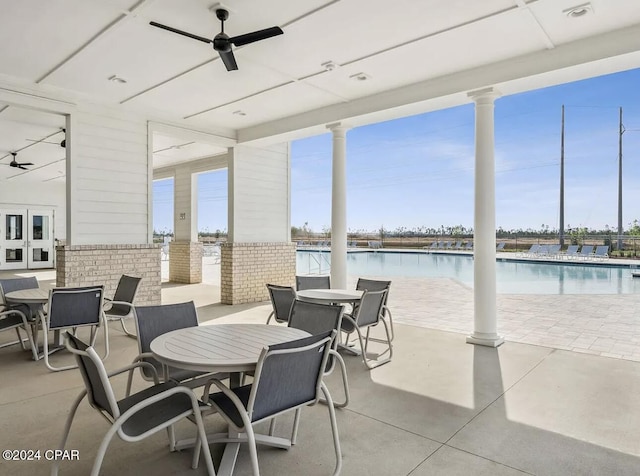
[(418, 171)]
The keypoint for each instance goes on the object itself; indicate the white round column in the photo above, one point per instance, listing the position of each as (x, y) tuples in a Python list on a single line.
[(339, 207), (484, 236)]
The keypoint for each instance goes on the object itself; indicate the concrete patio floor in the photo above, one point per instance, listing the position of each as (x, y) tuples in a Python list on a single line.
[(441, 407)]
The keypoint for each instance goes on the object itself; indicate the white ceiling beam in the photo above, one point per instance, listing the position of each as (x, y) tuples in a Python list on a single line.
[(206, 164), (94, 38), (226, 139), (544, 36), (592, 49)]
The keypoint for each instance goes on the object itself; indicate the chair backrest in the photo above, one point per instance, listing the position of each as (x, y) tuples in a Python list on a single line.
[(586, 250), (153, 321), (602, 250), (370, 308), (99, 391), (572, 249), (18, 284), (313, 282), (282, 298), (75, 307), (374, 285), (125, 292), (289, 375), (316, 319)]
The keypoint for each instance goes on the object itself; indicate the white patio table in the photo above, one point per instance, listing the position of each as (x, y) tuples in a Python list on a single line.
[(232, 348)]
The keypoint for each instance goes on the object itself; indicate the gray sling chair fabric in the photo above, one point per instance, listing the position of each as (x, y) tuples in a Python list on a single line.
[(313, 282), (70, 308), (282, 298), (30, 312), (136, 416), (317, 319), (288, 377), (368, 314), (153, 321), (375, 285), (121, 306)]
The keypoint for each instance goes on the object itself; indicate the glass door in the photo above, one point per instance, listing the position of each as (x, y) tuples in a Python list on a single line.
[(40, 239), (13, 239)]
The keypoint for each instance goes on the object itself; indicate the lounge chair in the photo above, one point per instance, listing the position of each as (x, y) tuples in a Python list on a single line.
[(469, 246), (586, 251), (500, 246), (571, 252), (458, 245), (601, 253), (553, 251), (532, 252), (433, 246)]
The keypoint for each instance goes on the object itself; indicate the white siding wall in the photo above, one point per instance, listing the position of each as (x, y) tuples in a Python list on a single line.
[(108, 178), (49, 195), (185, 199), (259, 194)]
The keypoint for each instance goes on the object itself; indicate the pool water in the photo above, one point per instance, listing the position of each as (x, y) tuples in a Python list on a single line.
[(513, 277)]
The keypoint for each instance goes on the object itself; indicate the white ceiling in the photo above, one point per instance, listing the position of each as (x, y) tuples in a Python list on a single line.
[(418, 54)]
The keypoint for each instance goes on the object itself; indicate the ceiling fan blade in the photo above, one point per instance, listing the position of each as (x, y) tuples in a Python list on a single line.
[(180, 32), (254, 36), (23, 168), (25, 163), (229, 60), (42, 141)]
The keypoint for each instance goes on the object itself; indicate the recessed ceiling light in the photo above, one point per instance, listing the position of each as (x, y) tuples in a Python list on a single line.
[(360, 77), (579, 10), (239, 113), (329, 65), (117, 79)]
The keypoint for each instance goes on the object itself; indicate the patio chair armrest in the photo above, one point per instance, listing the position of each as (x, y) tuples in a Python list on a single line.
[(10, 311), (109, 303), (207, 388), (131, 367), (152, 400)]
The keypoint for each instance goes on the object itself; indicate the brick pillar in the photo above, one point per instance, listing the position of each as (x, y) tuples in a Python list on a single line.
[(185, 262), (89, 265), (247, 268)]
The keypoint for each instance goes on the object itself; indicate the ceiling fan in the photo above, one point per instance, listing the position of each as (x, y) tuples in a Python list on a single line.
[(16, 164), (222, 42)]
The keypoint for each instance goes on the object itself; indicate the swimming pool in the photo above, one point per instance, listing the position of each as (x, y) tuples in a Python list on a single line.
[(513, 277)]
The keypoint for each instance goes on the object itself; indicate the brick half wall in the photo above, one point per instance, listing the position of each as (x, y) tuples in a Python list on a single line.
[(248, 267), (185, 262), (88, 265)]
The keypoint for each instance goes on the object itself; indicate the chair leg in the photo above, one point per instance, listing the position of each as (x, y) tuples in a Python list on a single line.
[(363, 346), (126, 331), (172, 438), (272, 426), (67, 428), (270, 316), (203, 442), (102, 450), (253, 450), (45, 345), (345, 382), (387, 312), (334, 429), (296, 423)]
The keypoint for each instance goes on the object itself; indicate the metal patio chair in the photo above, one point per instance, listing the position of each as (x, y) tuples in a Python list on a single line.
[(318, 318), (282, 298), (367, 314), (288, 377), (121, 306), (136, 416), (25, 315), (313, 282), (376, 285), (71, 308), (153, 321)]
